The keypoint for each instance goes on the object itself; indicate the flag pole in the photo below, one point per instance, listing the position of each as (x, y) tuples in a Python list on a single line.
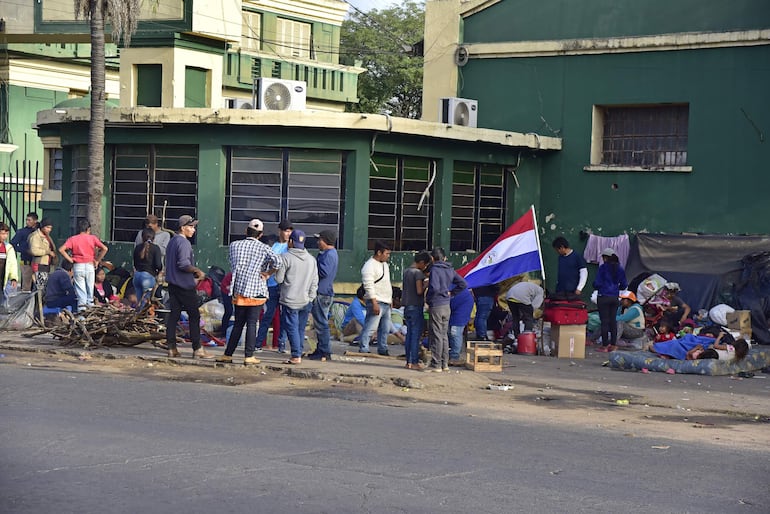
[(539, 248)]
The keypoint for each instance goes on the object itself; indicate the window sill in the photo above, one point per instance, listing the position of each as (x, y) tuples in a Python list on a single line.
[(667, 169)]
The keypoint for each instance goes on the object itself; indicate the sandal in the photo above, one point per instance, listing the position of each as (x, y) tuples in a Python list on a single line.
[(293, 360)]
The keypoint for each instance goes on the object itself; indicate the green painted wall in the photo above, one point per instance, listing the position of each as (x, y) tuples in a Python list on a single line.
[(729, 114), (533, 20)]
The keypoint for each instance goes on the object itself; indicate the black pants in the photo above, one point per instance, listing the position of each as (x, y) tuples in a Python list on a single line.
[(183, 300), (608, 310), (521, 312), (248, 317)]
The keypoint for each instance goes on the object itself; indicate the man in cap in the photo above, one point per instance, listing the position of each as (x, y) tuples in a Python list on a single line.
[(298, 277), (182, 276), (274, 295), (328, 262), (250, 261)]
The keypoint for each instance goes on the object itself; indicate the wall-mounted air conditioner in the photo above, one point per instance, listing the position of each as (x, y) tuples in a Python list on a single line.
[(281, 95), (459, 111), (238, 103)]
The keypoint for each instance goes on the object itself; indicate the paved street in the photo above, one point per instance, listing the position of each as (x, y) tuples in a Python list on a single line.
[(77, 441)]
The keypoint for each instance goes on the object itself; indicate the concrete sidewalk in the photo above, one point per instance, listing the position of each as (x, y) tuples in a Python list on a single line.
[(532, 377)]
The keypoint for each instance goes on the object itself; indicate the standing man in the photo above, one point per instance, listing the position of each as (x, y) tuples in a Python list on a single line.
[(523, 298), (9, 266), (162, 237), (43, 252), (20, 242), (182, 276), (274, 295), (87, 252), (250, 262), (573, 272), (460, 307), (485, 297), (443, 284), (298, 277), (378, 293), (328, 262), (412, 299)]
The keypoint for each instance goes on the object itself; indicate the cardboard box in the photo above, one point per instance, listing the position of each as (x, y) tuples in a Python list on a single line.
[(740, 321), (570, 341)]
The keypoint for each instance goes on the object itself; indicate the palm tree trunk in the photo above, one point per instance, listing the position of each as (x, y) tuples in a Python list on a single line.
[(96, 129)]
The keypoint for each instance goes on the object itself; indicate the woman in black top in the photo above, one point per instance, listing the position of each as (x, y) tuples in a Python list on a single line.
[(147, 266)]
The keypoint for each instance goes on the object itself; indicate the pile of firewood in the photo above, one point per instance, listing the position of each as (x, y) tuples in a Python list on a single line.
[(108, 325)]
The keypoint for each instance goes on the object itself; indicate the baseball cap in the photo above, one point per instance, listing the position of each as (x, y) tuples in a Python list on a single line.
[(329, 236), (284, 225), (628, 295), (298, 237), (256, 225), (187, 220), (608, 252)]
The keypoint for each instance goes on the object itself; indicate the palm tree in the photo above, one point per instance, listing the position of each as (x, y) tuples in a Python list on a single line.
[(124, 16)]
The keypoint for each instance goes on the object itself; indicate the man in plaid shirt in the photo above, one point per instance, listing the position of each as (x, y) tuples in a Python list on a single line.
[(251, 261)]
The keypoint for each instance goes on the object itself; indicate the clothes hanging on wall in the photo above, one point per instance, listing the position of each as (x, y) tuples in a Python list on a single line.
[(593, 252)]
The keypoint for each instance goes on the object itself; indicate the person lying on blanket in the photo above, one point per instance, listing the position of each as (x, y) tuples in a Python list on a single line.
[(692, 347)]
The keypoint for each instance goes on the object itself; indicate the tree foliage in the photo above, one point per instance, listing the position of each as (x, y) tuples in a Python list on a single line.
[(381, 41)]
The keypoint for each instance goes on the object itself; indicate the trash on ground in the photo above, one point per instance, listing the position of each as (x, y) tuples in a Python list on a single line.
[(500, 387)]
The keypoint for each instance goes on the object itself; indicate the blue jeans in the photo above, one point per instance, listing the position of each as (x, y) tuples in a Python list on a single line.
[(483, 309), (84, 284), (143, 284), (273, 295), (372, 320), (248, 317), (456, 341), (320, 311), (294, 322), (413, 319)]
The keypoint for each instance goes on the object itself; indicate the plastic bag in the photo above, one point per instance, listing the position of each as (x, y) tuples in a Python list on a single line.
[(649, 287), (718, 313), (17, 311)]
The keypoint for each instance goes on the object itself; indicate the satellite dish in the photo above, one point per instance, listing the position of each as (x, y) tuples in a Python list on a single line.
[(276, 97), (461, 56)]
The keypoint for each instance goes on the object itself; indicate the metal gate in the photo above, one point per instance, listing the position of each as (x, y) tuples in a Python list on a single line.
[(20, 191)]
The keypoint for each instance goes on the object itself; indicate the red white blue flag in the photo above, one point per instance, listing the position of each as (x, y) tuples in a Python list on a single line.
[(516, 251)]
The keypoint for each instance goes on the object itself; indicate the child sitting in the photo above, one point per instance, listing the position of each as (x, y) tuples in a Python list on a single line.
[(665, 332)]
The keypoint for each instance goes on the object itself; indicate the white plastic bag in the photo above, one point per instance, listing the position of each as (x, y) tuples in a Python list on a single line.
[(718, 313)]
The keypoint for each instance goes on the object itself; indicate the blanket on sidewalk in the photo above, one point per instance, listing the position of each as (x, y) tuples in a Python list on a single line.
[(758, 358)]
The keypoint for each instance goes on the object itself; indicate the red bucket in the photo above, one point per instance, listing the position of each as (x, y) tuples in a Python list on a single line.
[(526, 344)]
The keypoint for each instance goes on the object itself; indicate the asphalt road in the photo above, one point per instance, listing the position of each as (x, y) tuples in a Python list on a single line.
[(99, 443)]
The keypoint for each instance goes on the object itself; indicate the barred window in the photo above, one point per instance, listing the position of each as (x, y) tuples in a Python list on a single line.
[(271, 184), (396, 214), (653, 136), (79, 192), (478, 206), (157, 179)]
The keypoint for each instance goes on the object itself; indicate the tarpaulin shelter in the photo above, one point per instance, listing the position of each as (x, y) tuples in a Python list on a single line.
[(708, 268)]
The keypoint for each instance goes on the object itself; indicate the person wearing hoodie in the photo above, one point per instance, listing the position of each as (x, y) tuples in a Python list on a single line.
[(444, 283), (298, 278)]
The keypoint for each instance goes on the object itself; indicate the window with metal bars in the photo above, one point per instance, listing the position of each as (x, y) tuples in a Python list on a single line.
[(271, 184), (157, 179), (79, 191), (644, 136), (396, 187), (478, 206)]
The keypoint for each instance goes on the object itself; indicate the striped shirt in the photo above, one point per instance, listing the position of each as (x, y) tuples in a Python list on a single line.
[(249, 258)]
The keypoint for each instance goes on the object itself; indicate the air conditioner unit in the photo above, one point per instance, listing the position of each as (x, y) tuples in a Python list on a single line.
[(281, 95), (459, 111), (238, 103)]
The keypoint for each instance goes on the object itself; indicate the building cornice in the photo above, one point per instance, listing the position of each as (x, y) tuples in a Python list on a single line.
[(613, 45), (157, 118), (324, 11)]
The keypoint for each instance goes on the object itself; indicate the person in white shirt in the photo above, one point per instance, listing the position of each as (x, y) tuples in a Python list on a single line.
[(375, 276)]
